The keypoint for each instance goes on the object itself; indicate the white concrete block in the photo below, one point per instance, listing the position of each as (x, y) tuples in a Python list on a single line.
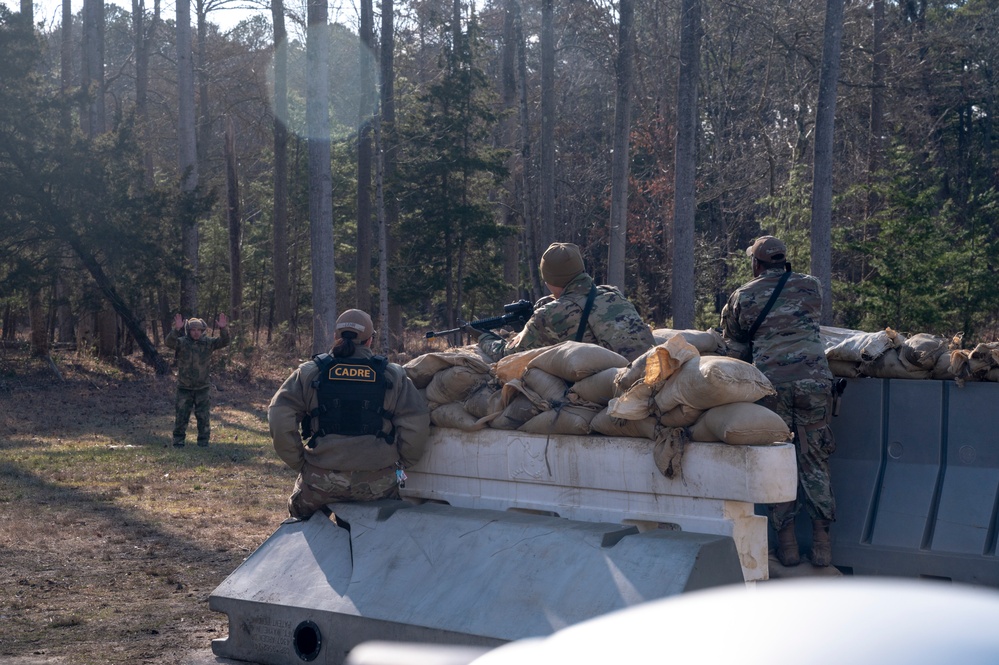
[(611, 479)]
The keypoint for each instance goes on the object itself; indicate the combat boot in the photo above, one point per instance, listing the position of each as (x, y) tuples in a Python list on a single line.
[(787, 546), (821, 546)]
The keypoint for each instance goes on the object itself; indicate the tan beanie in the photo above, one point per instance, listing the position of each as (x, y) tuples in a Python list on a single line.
[(356, 321), (560, 263)]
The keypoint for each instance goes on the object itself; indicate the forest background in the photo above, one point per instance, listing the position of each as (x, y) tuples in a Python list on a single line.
[(416, 162)]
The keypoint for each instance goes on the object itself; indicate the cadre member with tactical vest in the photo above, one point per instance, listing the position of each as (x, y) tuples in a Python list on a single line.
[(577, 309), (363, 422), (773, 322), (194, 353)]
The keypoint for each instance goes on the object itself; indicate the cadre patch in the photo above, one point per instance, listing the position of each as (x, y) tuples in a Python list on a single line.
[(343, 372)]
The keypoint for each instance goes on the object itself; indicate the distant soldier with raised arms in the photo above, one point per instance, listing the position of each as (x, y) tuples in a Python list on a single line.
[(194, 352)]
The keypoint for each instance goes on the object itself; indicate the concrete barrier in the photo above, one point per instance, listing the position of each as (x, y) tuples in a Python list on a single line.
[(611, 479), (916, 479), (437, 574)]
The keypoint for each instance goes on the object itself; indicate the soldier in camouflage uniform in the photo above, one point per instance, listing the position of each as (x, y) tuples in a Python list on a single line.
[(613, 322), (788, 350), (347, 467), (194, 352)]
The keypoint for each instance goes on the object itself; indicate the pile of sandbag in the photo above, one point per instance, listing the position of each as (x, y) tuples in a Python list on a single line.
[(978, 364), (888, 354), (577, 388)]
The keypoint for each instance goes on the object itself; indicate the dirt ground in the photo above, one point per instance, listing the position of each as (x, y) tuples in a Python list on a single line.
[(111, 539)]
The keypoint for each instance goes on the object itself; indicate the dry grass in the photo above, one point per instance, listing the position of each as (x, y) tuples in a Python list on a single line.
[(111, 540)]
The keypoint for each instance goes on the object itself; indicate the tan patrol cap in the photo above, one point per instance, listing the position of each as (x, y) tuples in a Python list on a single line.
[(356, 321), (767, 249), (560, 263)]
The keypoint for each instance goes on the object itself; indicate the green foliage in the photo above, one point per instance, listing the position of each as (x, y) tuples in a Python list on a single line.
[(931, 258), (448, 232), (67, 198)]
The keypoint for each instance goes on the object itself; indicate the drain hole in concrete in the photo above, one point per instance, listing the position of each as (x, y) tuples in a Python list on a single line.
[(308, 640)]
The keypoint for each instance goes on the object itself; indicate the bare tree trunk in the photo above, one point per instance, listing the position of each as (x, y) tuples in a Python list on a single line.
[(388, 138), (66, 60), (39, 328), (685, 201), (92, 118), (143, 36), (547, 225), (821, 235), (107, 332), (383, 288), (63, 310), (64, 313), (187, 159), (204, 111), (366, 64), (28, 12), (879, 64), (511, 255), (531, 244), (108, 290), (282, 290), (235, 224), (320, 177), (618, 236)]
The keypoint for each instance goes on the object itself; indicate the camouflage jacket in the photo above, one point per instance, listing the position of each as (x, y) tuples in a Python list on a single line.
[(193, 358), (613, 323), (407, 409), (787, 346)]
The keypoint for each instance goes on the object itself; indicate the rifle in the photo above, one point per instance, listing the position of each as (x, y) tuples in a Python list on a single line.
[(515, 314)]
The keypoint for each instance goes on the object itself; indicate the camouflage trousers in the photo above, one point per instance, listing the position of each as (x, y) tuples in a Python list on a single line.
[(316, 487), (200, 401), (805, 406)]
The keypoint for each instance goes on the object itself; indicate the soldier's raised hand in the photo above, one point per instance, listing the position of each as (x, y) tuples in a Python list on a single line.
[(178, 322), (222, 321)]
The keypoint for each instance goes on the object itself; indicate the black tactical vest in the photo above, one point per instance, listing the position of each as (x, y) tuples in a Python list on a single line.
[(351, 394)]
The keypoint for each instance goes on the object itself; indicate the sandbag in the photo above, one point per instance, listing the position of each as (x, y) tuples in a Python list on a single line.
[(705, 341), (517, 412), (513, 366), (573, 361), (605, 424), (563, 420), (960, 368), (740, 423), (942, 369), (635, 404), (705, 382), (667, 453), (484, 401), (845, 368), (548, 386), (983, 358), (921, 351), (655, 367), (454, 415), (856, 345), (422, 369), (680, 416), (596, 389), (455, 384), (888, 366)]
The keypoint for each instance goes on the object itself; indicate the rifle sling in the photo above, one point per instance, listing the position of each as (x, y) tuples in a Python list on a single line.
[(768, 307), (586, 312)]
